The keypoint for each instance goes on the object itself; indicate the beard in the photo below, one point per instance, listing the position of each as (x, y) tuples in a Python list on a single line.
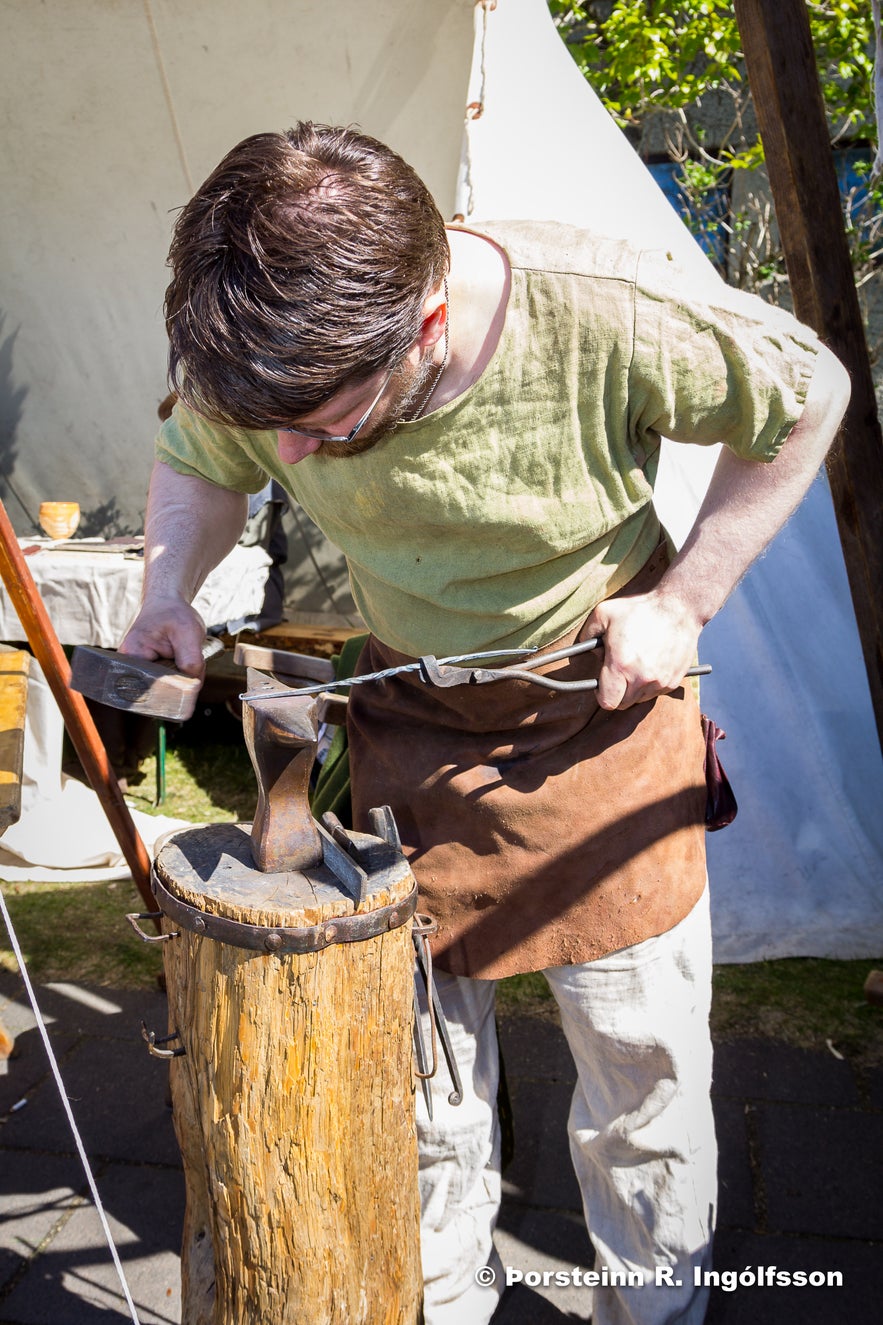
[(410, 388)]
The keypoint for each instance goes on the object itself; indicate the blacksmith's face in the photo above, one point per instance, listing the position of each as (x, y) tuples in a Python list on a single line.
[(356, 418)]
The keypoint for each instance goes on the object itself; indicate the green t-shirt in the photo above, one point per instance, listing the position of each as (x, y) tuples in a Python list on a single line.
[(502, 518)]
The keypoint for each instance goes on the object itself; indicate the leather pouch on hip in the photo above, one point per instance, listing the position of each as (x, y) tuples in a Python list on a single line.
[(720, 804)]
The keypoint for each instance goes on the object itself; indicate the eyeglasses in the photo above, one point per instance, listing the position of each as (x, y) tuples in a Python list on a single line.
[(353, 432)]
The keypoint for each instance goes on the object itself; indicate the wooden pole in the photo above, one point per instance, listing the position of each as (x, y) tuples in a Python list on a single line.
[(41, 636), (784, 83)]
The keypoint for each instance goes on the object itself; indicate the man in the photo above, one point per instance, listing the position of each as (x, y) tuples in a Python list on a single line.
[(474, 417)]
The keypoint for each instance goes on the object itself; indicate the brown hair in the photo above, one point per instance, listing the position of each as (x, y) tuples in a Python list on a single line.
[(301, 264)]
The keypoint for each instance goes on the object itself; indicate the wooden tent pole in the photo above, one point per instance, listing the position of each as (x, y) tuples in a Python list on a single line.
[(41, 636), (778, 48)]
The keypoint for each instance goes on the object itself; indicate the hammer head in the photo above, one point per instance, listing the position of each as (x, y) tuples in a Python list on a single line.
[(136, 685)]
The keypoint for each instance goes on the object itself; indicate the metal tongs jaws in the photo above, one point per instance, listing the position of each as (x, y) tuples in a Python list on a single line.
[(438, 674)]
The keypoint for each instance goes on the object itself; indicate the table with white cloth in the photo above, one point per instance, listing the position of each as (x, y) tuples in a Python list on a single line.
[(92, 589)]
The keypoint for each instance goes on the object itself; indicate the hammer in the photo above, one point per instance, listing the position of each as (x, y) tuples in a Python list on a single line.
[(137, 685)]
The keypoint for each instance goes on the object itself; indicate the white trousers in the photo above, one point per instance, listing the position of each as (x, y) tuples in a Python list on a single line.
[(640, 1128)]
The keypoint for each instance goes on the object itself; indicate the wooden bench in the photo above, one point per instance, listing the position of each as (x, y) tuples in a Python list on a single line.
[(309, 632)]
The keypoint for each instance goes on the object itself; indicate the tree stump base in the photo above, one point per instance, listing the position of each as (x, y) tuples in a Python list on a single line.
[(293, 1099)]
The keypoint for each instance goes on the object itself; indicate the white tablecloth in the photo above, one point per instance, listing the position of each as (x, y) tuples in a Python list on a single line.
[(92, 596)]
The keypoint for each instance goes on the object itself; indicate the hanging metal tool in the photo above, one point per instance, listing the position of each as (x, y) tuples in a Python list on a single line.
[(424, 926), (384, 826)]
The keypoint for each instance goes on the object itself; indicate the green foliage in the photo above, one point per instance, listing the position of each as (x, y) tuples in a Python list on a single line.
[(644, 56), (843, 37), (673, 77), (640, 56)]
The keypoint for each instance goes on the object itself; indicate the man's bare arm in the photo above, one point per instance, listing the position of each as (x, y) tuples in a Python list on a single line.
[(650, 640), (191, 526)]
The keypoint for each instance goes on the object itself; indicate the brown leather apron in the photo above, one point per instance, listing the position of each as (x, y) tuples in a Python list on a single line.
[(542, 830)]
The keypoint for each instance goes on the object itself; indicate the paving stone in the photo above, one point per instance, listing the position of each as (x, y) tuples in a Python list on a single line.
[(543, 1242), (83, 1009), (535, 1047), (10, 1264), (36, 1191), (821, 1170), (74, 1282), (735, 1179), (541, 1172), (15, 1009), (115, 1013), (856, 1302), (69, 1011), (525, 1306), (117, 1094), (820, 1166), (559, 1234), (874, 1080), (29, 1064), (768, 1070)]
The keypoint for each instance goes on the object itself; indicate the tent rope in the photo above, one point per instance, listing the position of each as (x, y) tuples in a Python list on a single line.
[(53, 1062), (474, 109)]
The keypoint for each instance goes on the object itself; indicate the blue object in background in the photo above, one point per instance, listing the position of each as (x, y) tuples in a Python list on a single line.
[(707, 224), (853, 166)]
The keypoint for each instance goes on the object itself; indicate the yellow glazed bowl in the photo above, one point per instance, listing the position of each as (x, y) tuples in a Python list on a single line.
[(59, 519)]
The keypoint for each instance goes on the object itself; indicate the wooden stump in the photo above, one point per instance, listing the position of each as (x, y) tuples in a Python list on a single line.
[(293, 1102)]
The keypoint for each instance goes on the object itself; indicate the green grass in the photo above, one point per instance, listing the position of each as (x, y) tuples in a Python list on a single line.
[(809, 1002), (209, 777), (78, 931)]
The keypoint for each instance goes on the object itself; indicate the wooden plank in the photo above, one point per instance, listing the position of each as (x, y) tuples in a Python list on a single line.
[(14, 668), (790, 113), (282, 662), (333, 620), (307, 632)]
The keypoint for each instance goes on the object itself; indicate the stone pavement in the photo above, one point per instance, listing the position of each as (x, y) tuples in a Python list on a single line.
[(800, 1138)]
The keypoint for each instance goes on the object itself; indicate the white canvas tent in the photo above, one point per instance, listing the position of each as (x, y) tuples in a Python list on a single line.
[(112, 115), (115, 112)]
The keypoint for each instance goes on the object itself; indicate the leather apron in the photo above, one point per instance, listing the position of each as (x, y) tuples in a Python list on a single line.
[(542, 829)]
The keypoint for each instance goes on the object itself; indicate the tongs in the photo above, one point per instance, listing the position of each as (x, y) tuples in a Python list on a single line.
[(447, 672)]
